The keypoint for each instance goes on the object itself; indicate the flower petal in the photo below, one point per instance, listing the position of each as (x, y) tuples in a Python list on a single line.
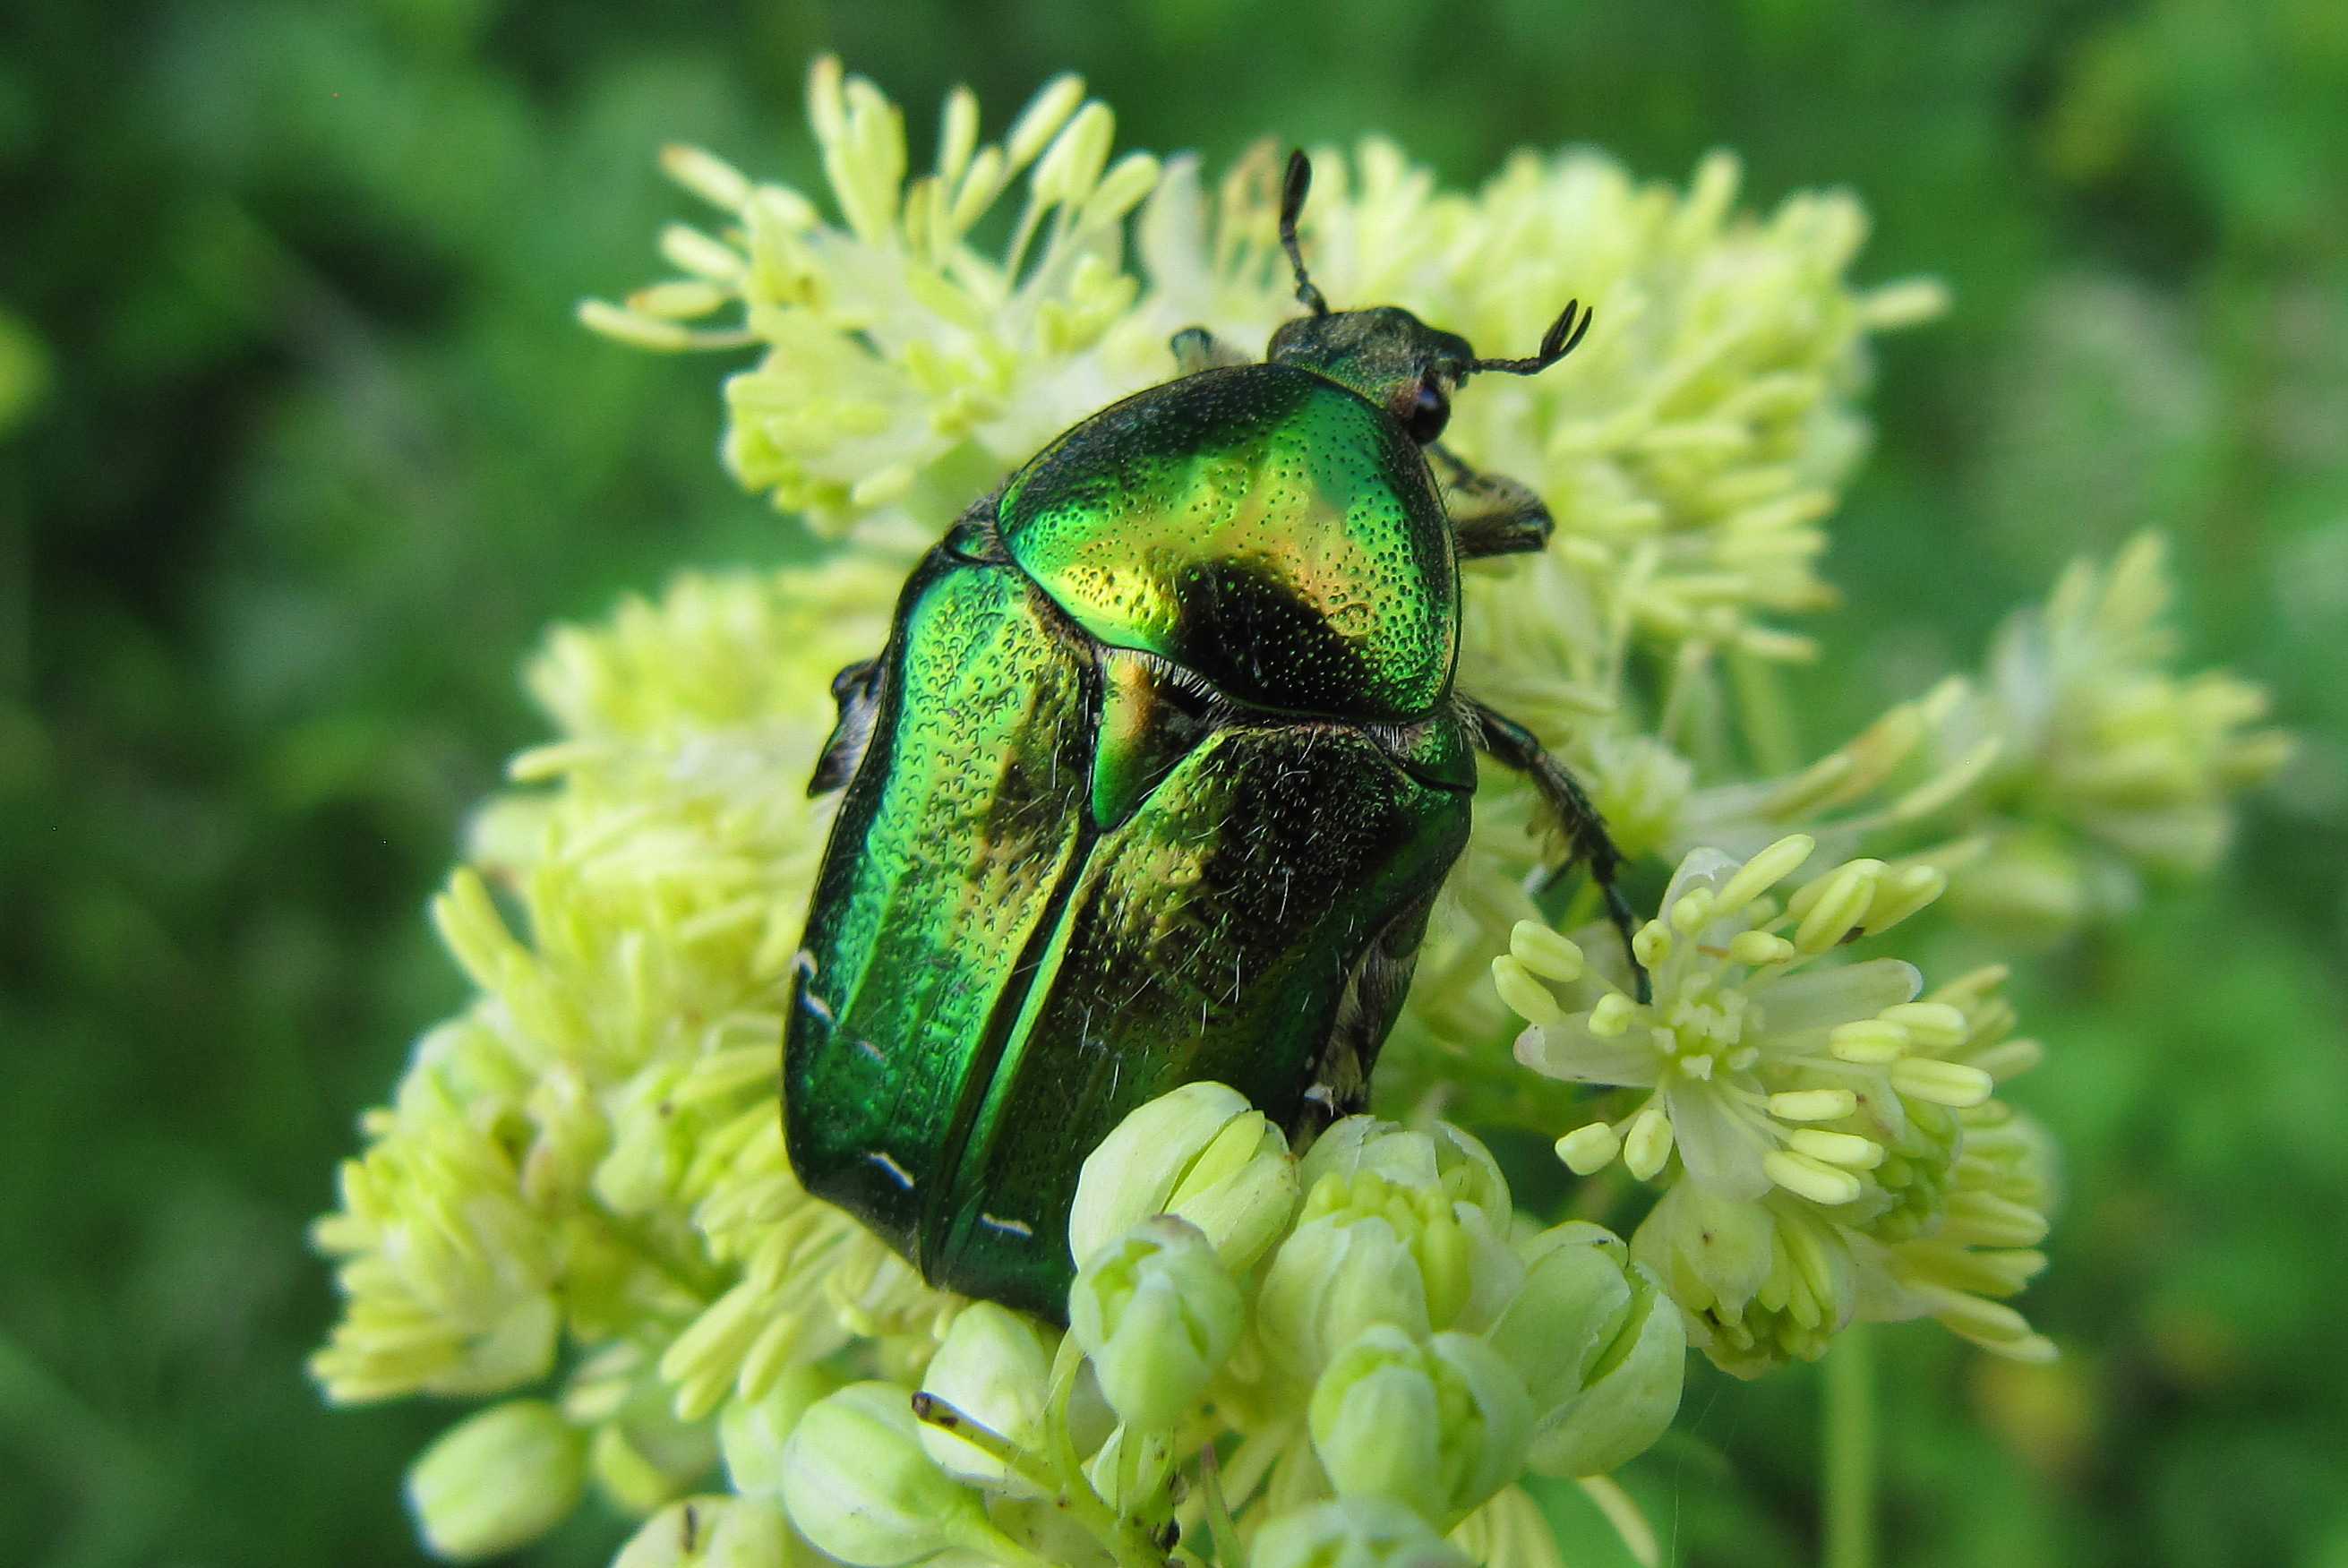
[(1798, 1010), (1568, 1050), (1720, 1148)]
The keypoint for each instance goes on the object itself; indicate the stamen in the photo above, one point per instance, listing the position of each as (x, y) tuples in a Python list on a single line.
[(1951, 1084), (1524, 996), (1589, 1149), (1764, 872), (1813, 1104), (1844, 1149), (1691, 910), (1545, 952), (1829, 908), (1612, 1016), (1867, 1042), (707, 175), (1902, 894), (1042, 118), (1933, 1024), (1759, 949), (1648, 1144), (1812, 1179)]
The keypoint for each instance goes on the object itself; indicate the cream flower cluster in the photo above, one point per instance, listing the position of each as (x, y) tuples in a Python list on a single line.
[(577, 1203), (2112, 766), (1828, 1132), (1375, 1346)]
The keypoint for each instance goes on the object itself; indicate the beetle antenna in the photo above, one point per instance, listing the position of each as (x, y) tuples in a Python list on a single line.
[(1564, 335), (1292, 203)]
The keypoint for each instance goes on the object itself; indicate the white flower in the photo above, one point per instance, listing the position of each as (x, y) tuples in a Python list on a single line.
[(1748, 1045), (905, 370), (2106, 737)]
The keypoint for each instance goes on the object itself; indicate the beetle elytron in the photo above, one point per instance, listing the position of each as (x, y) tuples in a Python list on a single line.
[(1154, 782)]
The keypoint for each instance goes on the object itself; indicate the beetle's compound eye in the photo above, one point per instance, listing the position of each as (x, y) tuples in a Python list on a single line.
[(1428, 412)]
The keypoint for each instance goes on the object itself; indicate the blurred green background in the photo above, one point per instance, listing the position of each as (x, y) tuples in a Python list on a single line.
[(300, 448)]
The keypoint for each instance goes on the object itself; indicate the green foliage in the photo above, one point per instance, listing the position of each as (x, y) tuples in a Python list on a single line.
[(299, 449)]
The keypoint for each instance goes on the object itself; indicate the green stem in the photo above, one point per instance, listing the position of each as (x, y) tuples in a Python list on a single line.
[(1768, 718), (1849, 1508)]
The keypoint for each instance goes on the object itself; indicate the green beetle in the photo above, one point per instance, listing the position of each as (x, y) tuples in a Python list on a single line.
[(1155, 782)]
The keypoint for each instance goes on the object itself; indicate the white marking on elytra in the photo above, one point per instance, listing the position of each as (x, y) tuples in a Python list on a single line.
[(897, 1173), (1008, 1227)]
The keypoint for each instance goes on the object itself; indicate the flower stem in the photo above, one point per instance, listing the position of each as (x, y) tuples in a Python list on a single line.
[(1850, 1506)]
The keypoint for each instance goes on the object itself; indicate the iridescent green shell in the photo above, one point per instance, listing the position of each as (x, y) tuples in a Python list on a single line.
[(1261, 525), (1161, 778)]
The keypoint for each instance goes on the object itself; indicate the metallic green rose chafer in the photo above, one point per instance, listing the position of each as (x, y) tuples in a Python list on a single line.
[(1155, 781)]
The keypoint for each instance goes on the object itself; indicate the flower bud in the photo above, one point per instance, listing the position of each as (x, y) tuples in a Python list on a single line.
[(859, 1485), (1443, 1156), (1357, 1533), (1575, 1300), (1339, 1273), (1157, 1313), (995, 1368), (710, 1532), (753, 1433), (2031, 888), (645, 1457), (1201, 1152), (498, 1480), (1602, 1351), (1918, 1168), (1439, 1424), (1398, 1227)]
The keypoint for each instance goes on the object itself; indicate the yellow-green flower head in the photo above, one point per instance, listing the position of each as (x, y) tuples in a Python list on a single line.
[(1439, 1424), (448, 1272), (903, 366), (1359, 1533), (2106, 737), (1961, 1271), (1761, 1067)]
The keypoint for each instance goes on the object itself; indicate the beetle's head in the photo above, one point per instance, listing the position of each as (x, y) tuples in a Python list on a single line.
[(1387, 354)]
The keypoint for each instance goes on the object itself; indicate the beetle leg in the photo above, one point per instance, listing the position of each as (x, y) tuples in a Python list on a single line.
[(857, 689), (1196, 349), (1512, 745), (1491, 514)]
